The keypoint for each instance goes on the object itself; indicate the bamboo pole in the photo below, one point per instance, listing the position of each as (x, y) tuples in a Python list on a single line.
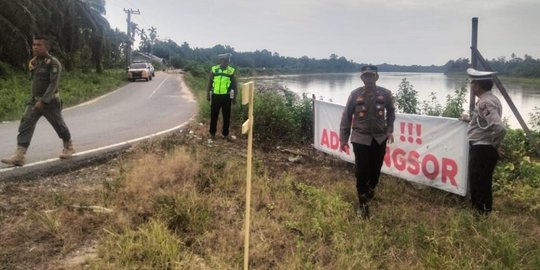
[(247, 127)]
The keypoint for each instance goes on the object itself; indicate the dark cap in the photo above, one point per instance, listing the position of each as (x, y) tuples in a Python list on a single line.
[(476, 75), (368, 69)]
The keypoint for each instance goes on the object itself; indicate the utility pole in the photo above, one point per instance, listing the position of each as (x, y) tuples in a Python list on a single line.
[(474, 60), (129, 30)]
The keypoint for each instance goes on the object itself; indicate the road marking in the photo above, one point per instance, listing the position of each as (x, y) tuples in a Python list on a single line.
[(95, 99), (159, 86), (102, 148)]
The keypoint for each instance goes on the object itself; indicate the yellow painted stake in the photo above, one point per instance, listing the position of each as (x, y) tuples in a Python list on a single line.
[(248, 90)]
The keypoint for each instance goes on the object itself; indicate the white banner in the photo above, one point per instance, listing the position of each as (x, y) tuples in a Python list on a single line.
[(429, 150)]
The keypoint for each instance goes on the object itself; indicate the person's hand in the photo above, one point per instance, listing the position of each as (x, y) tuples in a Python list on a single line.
[(390, 137), (38, 106), (344, 147), (500, 150), (208, 96)]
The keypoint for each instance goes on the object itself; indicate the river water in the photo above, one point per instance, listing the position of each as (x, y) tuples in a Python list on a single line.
[(336, 87)]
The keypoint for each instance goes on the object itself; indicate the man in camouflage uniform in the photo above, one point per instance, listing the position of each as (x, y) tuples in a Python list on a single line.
[(45, 101), (370, 113)]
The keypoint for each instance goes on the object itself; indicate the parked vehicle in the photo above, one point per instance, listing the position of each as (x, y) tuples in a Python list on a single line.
[(139, 71)]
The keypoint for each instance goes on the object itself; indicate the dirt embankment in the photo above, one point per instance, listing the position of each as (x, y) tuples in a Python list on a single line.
[(56, 221)]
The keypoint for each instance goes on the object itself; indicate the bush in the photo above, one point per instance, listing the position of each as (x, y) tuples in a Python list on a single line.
[(196, 69), (282, 118), (454, 103), (14, 93), (535, 119), (407, 98), (432, 107)]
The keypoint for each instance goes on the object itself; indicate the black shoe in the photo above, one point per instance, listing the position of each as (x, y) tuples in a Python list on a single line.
[(363, 211), (371, 194)]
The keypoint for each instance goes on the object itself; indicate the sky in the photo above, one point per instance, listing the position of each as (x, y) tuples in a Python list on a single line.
[(402, 32)]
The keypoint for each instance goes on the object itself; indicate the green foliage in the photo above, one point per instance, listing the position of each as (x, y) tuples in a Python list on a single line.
[(454, 103), (4, 69), (183, 214), (75, 87), (407, 98), (456, 66), (14, 93), (282, 118), (515, 66), (80, 35), (157, 65), (432, 107), (534, 119), (195, 68), (407, 102)]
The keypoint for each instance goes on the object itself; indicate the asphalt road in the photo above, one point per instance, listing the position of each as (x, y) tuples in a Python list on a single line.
[(131, 113)]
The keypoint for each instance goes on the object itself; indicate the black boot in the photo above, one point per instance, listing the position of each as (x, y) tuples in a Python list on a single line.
[(363, 211)]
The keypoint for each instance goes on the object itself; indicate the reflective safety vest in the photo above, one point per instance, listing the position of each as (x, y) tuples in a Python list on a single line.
[(222, 79)]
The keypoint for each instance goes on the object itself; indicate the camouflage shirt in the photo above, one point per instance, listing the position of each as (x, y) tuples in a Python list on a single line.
[(45, 73)]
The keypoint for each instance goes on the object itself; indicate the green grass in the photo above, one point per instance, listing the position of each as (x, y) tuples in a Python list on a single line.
[(190, 211), (74, 87)]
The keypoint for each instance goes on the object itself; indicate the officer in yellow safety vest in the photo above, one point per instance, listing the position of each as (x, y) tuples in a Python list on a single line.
[(221, 93)]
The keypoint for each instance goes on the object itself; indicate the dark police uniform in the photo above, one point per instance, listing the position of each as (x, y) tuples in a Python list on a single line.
[(45, 74), (374, 115)]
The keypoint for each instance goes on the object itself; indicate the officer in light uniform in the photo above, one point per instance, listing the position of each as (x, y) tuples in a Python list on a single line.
[(370, 112), (221, 93), (45, 101), (486, 132)]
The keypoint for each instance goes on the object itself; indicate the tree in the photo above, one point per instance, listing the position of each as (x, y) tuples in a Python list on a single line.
[(75, 28), (153, 37)]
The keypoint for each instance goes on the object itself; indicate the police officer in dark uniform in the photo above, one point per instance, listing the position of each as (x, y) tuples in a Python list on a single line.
[(45, 101), (370, 112), (221, 93)]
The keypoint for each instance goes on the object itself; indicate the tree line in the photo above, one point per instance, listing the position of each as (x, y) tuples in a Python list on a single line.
[(515, 66), (184, 56), (80, 35), (83, 39)]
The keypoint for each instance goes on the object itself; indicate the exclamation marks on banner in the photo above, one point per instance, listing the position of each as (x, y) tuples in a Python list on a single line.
[(409, 131)]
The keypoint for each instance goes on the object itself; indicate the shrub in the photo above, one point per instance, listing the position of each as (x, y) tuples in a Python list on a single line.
[(282, 118), (432, 107), (534, 120), (407, 98), (454, 103)]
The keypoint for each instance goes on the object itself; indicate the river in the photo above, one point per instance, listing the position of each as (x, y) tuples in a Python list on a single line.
[(335, 87)]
